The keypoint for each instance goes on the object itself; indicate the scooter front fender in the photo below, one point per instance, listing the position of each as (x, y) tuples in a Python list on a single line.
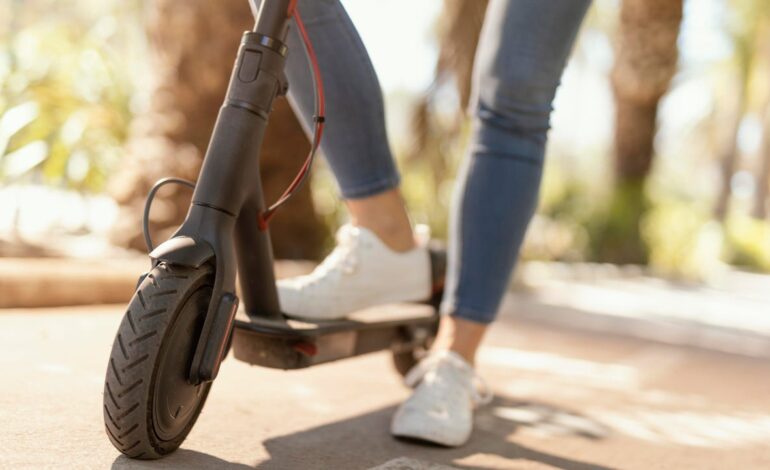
[(183, 250)]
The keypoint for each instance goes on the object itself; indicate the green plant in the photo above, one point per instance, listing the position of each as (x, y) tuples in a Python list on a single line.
[(65, 96), (747, 243)]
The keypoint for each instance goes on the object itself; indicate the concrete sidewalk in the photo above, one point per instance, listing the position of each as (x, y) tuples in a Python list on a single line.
[(730, 313), (564, 399)]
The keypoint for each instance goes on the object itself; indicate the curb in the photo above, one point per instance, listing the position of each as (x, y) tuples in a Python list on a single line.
[(728, 315), (58, 282), (55, 282), (672, 332)]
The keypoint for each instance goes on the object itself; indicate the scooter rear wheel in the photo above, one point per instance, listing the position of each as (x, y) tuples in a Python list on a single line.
[(149, 405), (404, 361)]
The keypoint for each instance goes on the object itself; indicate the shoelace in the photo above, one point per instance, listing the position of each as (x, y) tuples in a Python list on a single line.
[(481, 393), (343, 257)]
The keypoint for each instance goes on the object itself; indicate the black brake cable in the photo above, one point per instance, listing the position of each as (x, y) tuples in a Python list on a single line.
[(148, 205)]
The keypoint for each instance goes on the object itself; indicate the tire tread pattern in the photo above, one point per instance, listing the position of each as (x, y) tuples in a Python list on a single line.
[(128, 382)]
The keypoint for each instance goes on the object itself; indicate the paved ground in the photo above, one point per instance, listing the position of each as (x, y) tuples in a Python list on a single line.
[(564, 400), (728, 312)]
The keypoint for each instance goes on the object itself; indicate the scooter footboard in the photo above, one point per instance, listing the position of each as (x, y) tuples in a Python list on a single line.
[(295, 344)]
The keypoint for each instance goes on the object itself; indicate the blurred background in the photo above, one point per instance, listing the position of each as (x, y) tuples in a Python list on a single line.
[(642, 300), (659, 154), (658, 165)]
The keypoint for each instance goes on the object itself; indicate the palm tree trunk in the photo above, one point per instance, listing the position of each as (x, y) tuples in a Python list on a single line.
[(730, 155), (433, 136), (194, 43), (760, 209), (763, 177), (645, 62)]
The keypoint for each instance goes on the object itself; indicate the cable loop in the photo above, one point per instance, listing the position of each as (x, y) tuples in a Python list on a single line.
[(148, 206), (318, 117)]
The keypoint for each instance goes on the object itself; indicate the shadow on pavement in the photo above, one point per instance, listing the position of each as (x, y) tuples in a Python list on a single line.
[(363, 441), (182, 458)]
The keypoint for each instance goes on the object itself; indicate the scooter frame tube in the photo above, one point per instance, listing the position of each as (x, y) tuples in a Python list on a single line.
[(222, 222)]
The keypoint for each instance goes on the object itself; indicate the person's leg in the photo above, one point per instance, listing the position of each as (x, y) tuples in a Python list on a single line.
[(460, 336), (376, 259), (522, 52), (385, 215), (355, 142)]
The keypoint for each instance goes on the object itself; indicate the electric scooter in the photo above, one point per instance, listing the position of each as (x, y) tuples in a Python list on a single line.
[(184, 316)]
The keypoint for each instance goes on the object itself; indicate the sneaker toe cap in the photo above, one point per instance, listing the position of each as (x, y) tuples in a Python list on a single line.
[(433, 424)]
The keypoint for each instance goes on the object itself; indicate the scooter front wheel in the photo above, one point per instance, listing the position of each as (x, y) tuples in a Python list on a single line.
[(149, 404)]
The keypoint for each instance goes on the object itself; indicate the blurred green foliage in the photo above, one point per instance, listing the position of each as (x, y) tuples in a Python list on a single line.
[(748, 243), (668, 219), (65, 94), (70, 71)]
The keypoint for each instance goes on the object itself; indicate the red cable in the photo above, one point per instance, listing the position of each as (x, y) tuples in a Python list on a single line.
[(292, 8), (265, 217)]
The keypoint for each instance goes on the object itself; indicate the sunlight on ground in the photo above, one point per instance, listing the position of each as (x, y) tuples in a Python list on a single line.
[(605, 375), (628, 408)]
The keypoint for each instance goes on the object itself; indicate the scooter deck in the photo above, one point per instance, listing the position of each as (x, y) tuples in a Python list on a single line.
[(289, 343)]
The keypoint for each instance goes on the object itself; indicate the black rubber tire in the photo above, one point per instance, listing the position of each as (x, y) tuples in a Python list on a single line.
[(405, 359), (169, 298)]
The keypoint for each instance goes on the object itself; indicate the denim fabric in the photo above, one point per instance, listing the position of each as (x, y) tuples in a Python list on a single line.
[(355, 142), (522, 52)]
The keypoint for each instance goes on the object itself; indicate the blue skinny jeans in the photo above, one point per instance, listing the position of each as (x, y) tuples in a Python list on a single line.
[(523, 48)]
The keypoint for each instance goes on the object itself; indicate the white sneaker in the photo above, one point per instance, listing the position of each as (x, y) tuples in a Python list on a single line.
[(440, 409), (361, 272)]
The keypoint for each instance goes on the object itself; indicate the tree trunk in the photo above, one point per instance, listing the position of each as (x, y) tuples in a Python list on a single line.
[(645, 62), (458, 36), (434, 138), (730, 155), (763, 177), (194, 45), (760, 209)]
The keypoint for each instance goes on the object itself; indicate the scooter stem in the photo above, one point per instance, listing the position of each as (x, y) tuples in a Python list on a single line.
[(228, 195)]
